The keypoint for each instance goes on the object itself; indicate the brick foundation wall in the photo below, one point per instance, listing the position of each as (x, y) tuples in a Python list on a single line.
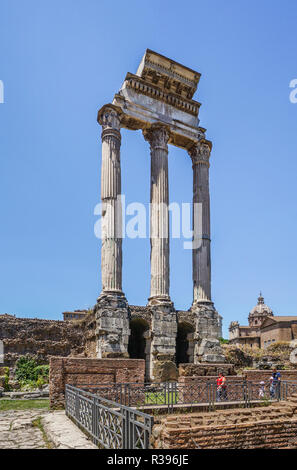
[(203, 379), (258, 375), (272, 427), (85, 371)]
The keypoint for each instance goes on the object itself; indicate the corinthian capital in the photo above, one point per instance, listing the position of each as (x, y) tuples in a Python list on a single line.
[(200, 152), (157, 136), (109, 116)]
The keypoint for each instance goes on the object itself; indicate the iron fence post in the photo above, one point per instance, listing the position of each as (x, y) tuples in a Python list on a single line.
[(131, 432), (129, 395), (94, 418), (66, 399), (175, 393), (77, 405), (124, 394), (125, 430), (167, 396)]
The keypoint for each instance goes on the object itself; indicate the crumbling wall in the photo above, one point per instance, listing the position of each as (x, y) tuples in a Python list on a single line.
[(276, 355), (211, 369), (40, 339)]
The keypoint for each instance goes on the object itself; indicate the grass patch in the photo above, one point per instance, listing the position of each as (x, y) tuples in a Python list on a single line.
[(152, 398), (38, 424), (6, 405)]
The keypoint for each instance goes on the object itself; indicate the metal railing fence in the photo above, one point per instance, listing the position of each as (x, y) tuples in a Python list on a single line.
[(109, 414), (169, 395), (110, 425)]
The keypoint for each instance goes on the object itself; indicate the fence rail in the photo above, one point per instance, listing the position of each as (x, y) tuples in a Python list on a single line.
[(170, 395), (111, 425)]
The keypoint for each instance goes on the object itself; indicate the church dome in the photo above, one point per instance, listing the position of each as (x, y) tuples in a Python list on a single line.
[(261, 308)]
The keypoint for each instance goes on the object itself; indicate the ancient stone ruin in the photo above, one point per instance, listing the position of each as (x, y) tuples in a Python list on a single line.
[(158, 100)]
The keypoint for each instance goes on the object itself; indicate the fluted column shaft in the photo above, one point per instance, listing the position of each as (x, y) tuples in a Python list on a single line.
[(111, 252), (158, 137), (200, 154)]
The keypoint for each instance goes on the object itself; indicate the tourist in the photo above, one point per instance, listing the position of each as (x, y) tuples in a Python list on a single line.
[(221, 387), (275, 384)]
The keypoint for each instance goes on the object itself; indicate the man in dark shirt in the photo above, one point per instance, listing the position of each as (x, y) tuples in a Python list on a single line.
[(275, 384)]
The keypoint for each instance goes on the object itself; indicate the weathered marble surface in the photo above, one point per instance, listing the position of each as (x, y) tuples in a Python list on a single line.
[(112, 325)]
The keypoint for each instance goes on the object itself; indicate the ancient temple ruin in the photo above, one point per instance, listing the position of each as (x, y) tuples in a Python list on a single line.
[(158, 99)]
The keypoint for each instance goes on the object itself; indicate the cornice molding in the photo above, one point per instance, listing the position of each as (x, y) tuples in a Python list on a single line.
[(144, 87)]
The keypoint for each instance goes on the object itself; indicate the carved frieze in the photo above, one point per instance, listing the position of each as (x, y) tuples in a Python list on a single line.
[(164, 94), (168, 74)]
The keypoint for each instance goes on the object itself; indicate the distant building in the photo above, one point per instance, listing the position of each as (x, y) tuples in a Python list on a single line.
[(263, 329), (76, 315), (278, 329)]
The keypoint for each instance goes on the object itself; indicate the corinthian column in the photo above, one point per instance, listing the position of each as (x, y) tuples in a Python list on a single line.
[(111, 310), (158, 137), (111, 252), (200, 154)]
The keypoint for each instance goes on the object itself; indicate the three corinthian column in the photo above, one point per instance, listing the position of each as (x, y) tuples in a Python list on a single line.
[(111, 253)]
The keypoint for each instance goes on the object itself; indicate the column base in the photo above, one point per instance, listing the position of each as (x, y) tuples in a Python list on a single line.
[(112, 325), (163, 300), (197, 304), (208, 330)]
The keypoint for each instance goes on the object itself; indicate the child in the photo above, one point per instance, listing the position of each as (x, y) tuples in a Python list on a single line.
[(262, 389)]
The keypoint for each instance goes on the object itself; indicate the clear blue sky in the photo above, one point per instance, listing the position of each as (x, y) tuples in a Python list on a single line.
[(60, 61)]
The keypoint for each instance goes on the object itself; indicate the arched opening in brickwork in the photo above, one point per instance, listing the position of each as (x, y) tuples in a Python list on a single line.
[(137, 341), (184, 343)]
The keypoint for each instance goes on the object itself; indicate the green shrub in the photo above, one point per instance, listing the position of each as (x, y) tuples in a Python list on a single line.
[(42, 371), (224, 341), (5, 379), (27, 372), (40, 381), (25, 369), (6, 383)]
